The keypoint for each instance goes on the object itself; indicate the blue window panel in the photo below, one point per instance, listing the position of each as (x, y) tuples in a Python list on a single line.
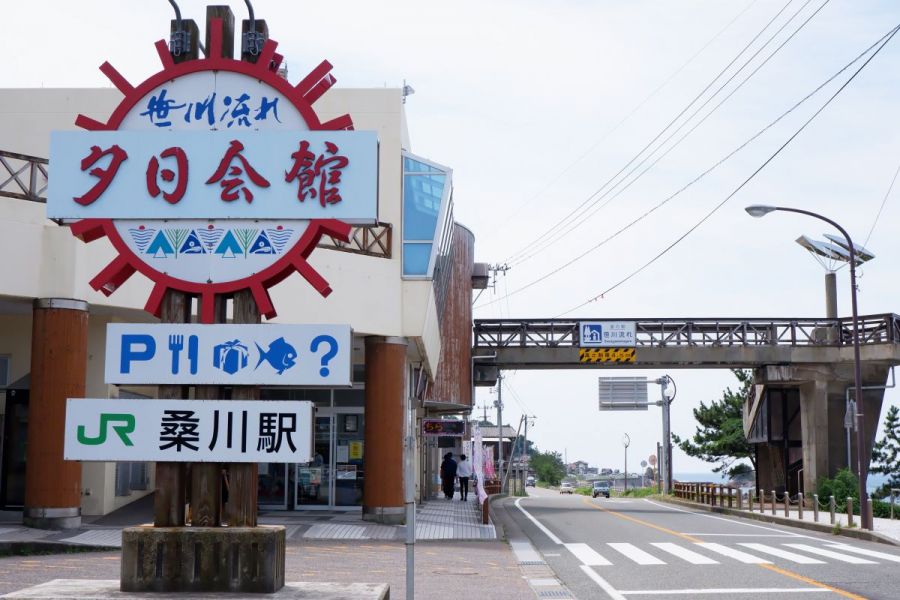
[(416, 257), (413, 166), (421, 205)]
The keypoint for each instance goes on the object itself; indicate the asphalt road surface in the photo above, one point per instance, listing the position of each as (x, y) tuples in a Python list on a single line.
[(628, 549)]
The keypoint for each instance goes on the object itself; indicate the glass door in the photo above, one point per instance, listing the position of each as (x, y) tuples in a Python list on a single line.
[(313, 479), (348, 458)]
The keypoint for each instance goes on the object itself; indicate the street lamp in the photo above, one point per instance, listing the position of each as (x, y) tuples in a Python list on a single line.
[(626, 441), (758, 210)]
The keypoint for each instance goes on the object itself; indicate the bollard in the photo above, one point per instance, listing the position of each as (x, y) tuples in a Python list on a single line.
[(740, 499), (730, 497), (787, 502), (750, 500), (849, 511), (870, 525), (773, 503), (800, 505), (816, 508), (831, 505)]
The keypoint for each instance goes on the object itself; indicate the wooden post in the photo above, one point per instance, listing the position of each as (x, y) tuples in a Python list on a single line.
[(224, 13), (242, 477), (261, 28), (168, 503), (192, 52)]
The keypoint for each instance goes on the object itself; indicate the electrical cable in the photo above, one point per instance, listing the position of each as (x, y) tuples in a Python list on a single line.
[(693, 181), (881, 208), (585, 216), (630, 114), (715, 209), (658, 135)]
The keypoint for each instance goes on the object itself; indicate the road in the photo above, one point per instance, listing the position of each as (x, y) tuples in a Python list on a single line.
[(627, 549)]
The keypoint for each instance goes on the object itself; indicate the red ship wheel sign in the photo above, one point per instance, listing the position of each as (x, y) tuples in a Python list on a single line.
[(298, 101)]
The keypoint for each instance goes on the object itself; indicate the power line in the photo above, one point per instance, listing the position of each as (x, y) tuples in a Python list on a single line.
[(888, 37), (584, 217), (659, 205), (631, 113), (881, 208), (563, 221)]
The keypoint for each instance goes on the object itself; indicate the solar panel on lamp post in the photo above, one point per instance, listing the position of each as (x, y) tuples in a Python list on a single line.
[(759, 210)]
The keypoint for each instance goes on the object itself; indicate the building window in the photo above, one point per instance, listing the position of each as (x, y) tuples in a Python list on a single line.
[(427, 214)]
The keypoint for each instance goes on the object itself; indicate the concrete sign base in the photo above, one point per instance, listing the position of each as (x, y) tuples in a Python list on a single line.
[(104, 589), (203, 559)]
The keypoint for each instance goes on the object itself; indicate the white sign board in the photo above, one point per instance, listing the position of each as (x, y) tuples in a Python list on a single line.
[(607, 334), (225, 174), (188, 430), (623, 393), (192, 354)]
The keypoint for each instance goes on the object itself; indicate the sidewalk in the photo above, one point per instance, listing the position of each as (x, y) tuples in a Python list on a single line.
[(885, 530), (435, 520)]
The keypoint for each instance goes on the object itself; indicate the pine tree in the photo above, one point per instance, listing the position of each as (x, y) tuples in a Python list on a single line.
[(886, 453), (720, 431)]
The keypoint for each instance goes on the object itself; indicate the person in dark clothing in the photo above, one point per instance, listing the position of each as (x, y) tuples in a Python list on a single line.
[(448, 475)]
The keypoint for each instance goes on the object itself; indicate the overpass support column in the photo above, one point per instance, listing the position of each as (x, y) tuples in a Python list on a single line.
[(815, 415), (58, 370), (386, 389)]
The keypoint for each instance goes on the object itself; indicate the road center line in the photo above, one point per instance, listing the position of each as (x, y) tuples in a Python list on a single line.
[(537, 523), (698, 514)]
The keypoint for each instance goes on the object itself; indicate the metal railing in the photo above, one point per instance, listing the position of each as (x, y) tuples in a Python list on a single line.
[(560, 333), (25, 178)]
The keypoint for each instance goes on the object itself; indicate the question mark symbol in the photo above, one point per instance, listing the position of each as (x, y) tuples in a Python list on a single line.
[(332, 351)]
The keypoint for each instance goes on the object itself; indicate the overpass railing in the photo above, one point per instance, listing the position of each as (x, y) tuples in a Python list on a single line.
[(552, 333)]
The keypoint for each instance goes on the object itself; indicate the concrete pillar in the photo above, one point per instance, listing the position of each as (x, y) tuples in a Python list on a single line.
[(831, 310), (814, 423), (386, 389), (58, 367)]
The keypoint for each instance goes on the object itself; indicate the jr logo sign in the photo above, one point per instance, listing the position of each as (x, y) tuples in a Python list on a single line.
[(109, 420)]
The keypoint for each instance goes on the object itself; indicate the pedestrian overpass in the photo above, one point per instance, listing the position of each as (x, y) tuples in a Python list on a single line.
[(802, 371)]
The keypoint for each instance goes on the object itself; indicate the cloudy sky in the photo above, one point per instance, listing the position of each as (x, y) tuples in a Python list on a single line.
[(537, 105)]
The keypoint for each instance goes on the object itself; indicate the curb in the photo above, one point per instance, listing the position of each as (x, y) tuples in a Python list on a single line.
[(493, 506), (860, 534)]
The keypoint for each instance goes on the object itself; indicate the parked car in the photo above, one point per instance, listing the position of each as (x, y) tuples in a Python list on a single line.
[(530, 481), (601, 488), (566, 488)]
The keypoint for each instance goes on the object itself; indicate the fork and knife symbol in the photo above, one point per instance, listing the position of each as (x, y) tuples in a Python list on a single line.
[(176, 345)]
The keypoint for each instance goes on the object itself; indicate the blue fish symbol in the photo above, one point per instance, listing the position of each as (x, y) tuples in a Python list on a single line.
[(280, 355)]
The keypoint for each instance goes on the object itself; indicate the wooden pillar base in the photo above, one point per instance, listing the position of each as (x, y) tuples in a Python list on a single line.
[(203, 559)]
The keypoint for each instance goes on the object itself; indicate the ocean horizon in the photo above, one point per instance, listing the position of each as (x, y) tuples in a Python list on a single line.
[(874, 481)]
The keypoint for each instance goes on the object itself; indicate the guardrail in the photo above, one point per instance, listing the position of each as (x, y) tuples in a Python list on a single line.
[(553, 333)]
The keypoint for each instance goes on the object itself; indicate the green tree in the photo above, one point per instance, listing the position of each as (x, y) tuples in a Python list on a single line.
[(886, 453), (548, 466), (720, 429)]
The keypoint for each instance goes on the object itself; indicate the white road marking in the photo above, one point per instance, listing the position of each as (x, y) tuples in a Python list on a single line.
[(635, 554), (587, 555), (734, 553), (830, 554), (732, 521), (683, 553), (865, 552), (697, 592), (539, 525), (745, 534), (791, 556), (604, 585)]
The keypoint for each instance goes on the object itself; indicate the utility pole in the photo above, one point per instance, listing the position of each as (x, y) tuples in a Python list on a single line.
[(499, 404), (626, 441)]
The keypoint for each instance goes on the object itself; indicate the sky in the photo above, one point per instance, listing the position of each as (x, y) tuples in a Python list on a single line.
[(536, 105)]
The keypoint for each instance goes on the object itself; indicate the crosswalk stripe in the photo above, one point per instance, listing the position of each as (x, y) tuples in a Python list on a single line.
[(791, 556), (688, 555), (830, 554), (734, 553), (587, 555), (865, 552), (636, 554)]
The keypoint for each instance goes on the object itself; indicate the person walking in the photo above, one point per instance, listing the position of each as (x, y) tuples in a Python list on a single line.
[(448, 475), (464, 472)]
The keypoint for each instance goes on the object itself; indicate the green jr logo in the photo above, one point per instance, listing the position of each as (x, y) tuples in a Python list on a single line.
[(107, 419)]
